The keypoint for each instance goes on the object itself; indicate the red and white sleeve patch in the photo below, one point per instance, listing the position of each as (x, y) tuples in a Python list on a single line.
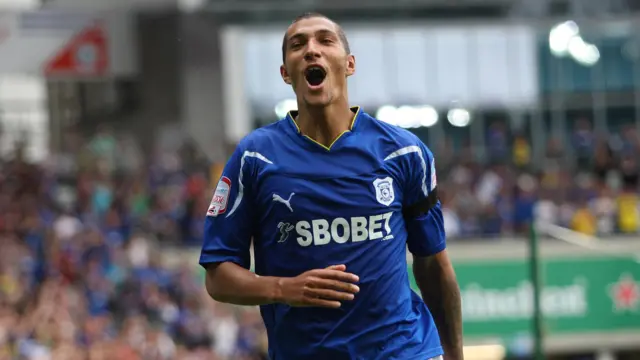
[(220, 198)]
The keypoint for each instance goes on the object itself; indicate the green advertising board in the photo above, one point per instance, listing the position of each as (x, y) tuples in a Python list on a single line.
[(579, 295), (589, 301)]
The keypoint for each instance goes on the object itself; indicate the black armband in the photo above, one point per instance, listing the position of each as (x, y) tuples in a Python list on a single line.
[(421, 207)]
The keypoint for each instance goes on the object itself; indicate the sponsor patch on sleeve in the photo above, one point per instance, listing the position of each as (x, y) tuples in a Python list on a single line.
[(220, 197)]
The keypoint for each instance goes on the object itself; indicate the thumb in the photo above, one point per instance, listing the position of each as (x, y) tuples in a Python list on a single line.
[(337, 267)]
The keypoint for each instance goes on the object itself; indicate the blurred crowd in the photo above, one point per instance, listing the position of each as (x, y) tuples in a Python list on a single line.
[(586, 181), (81, 276)]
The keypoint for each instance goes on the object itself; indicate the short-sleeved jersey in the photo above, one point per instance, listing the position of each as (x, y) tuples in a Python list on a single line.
[(307, 207)]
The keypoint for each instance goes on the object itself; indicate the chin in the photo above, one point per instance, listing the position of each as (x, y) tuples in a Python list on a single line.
[(317, 99)]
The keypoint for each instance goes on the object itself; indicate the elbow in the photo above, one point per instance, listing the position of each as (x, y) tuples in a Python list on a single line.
[(212, 290), (216, 292), (213, 286)]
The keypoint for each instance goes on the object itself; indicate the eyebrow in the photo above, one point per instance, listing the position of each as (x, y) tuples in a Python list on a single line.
[(296, 36), (318, 32)]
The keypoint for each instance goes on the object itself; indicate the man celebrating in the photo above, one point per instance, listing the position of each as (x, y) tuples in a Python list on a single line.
[(332, 198)]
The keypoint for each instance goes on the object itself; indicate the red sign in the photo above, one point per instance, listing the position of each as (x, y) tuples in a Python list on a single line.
[(85, 54), (625, 293)]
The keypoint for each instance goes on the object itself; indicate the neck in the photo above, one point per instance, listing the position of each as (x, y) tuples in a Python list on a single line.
[(325, 124)]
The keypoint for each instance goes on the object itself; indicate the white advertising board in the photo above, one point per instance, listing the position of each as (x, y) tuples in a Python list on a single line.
[(29, 41)]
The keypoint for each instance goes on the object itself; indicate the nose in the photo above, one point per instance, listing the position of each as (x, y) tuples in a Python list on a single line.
[(312, 52)]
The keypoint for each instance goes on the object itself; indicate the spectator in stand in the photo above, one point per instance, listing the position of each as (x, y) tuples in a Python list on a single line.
[(498, 142), (583, 220), (521, 152), (583, 141)]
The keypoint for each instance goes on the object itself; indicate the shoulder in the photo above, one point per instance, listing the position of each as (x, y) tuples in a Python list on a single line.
[(264, 144), (394, 140), (263, 138), (258, 148), (406, 156)]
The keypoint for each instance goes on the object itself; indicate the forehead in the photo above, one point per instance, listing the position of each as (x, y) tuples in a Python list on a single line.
[(311, 26)]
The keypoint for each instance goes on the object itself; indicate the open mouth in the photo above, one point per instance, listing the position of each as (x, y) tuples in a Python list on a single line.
[(315, 75)]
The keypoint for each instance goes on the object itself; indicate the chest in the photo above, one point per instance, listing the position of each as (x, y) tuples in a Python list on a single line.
[(328, 210), (292, 197)]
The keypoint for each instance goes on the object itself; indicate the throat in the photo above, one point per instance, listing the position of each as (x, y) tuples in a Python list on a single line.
[(324, 127), (326, 138)]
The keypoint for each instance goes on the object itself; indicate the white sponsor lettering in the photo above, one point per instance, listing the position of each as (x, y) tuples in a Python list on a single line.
[(341, 230), (515, 303), (321, 231)]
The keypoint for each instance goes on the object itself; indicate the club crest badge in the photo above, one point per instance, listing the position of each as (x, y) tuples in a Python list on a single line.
[(384, 191)]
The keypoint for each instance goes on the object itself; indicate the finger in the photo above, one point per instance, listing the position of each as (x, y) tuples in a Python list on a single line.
[(335, 285), (323, 303), (337, 267), (329, 294), (337, 275)]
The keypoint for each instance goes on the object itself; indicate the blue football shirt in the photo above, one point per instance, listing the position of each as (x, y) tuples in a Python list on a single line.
[(307, 207)]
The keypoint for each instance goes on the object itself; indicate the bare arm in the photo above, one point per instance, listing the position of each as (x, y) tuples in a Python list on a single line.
[(437, 282), (230, 283)]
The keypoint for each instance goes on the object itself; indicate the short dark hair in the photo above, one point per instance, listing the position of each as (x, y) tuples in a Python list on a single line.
[(311, 15)]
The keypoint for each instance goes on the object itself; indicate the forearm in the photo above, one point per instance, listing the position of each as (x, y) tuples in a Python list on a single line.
[(230, 283), (441, 293)]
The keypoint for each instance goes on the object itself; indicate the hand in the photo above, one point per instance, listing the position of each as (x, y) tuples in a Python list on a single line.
[(321, 287)]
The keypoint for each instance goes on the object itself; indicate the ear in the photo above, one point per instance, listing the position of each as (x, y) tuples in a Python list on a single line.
[(285, 75), (351, 65)]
